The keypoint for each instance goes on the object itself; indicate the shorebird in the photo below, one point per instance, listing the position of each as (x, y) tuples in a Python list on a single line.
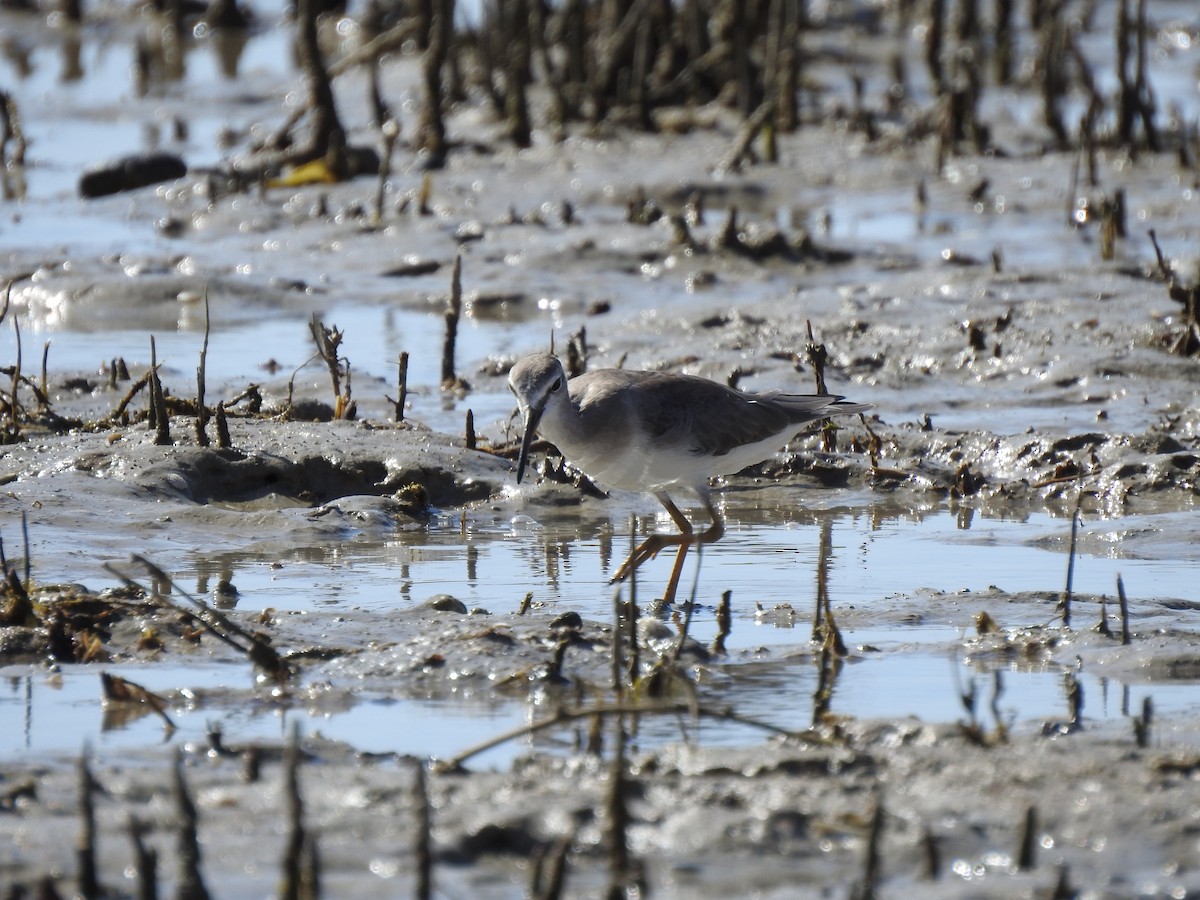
[(652, 431)]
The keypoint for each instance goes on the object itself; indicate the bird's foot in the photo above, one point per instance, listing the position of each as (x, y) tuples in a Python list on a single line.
[(646, 551)]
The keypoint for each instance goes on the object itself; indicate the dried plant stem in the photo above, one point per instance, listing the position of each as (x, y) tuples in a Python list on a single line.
[(1027, 853), (431, 130), (327, 137), (818, 355), (617, 816), (750, 129), (634, 662), (119, 410), (191, 883), (160, 420), (14, 402), (291, 875), (424, 835), (1141, 724), (43, 398), (1125, 638), (868, 887), (608, 709), (452, 315), (220, 626), (201, 412), (145, 862), (1064, 604), (618, 641), (224, 441), (390, 131), (25, 582), (401, 385), (550, 872), (89, 885)]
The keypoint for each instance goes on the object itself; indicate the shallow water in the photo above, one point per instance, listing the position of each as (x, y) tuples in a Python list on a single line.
[(58, 714), (908, 658), (880, 559), (764, 557)]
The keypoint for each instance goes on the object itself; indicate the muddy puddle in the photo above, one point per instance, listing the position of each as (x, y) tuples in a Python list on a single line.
[(899, 702)]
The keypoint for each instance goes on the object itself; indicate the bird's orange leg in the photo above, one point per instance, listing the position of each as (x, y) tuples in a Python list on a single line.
[(650, 547)]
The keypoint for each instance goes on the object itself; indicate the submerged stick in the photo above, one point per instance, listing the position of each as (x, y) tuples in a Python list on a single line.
[(724, 623), (826, 676), (1102, 625), (560, 716), (1074, 702), (997, 693)]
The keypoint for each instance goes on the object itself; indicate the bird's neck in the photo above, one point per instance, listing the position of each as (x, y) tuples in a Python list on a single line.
[(562, 426)]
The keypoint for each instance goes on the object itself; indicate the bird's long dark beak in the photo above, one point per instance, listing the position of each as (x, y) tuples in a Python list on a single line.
[(532, 416)]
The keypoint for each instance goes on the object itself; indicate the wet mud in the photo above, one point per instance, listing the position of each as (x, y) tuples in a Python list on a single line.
[(1019, 364)]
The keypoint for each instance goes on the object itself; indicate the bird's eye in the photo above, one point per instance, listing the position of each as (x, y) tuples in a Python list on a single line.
[(557, 384)]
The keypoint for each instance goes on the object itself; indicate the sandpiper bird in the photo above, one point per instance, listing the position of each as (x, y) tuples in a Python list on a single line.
[(651, 431)]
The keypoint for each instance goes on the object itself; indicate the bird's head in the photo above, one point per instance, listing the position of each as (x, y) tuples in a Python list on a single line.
[(537, 381)]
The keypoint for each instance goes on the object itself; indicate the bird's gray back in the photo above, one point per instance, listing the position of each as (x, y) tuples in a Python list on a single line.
[(685, 411)]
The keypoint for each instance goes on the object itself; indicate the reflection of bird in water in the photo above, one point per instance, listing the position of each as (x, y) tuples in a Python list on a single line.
[(651, 431)]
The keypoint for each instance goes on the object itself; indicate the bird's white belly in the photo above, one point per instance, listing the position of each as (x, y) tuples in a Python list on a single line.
[(633, 467), (632, 470)]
